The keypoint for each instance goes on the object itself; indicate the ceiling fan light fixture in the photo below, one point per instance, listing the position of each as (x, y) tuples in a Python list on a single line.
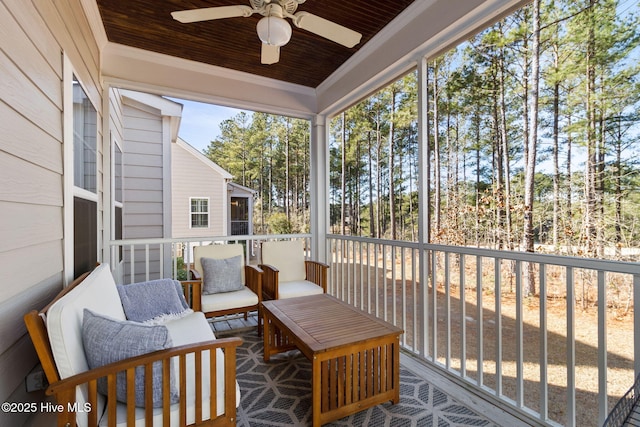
[(274, 31)]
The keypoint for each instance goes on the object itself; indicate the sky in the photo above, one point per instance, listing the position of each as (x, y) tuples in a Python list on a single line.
[(200, 123)]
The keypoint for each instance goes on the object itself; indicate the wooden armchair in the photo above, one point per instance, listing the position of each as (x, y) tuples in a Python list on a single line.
[(245, 299), (205, 370), (287, 274)]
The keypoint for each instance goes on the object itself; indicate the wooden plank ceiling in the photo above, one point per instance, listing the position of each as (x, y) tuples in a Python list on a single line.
[(233, 43)]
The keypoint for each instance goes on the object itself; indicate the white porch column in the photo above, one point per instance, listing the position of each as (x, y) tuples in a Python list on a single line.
[(107, 207), (319, 187), (423, 202), (424, 231)]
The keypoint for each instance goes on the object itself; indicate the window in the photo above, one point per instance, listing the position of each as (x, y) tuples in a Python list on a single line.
[(117, 195), (85, 200), (84, 140), (199, 212)]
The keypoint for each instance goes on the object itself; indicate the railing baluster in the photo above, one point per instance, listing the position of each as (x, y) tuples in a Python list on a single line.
[(480, 337), (376, 277), (132, 250), (162, 260), (146, 262), (385, 283), (498, 325), (403, 281), (602, 348), (434, 307), (463, 319), (519, 338), (361, 281), (447, 310), (394, 298), (544, 389), (414, 299), (571, 351), (636, 325)]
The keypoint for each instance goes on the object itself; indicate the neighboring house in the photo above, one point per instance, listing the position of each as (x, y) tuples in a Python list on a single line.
[(170, 189), (199, 190), (240, 200), (149, 126)]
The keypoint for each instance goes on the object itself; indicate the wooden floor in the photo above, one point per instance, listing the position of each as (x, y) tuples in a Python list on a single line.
[(233, 324)]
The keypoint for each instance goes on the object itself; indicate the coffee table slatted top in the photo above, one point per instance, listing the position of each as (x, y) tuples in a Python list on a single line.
[(323, 322)]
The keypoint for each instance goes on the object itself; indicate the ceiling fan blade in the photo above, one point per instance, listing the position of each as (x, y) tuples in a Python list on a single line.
[(327, 29), (270, 54), (209, 13)]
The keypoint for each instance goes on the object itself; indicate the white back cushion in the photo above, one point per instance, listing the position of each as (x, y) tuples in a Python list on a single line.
[(287, 256), (218, 252), (98, 293)]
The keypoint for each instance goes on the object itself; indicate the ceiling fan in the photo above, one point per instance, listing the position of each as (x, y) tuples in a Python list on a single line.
[(273, 30)]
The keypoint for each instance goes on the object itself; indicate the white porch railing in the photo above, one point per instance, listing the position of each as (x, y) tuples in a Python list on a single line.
[(135, 260), (472, 321)]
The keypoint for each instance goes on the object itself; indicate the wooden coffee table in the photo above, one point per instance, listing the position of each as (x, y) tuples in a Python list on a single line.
[(355, 356)]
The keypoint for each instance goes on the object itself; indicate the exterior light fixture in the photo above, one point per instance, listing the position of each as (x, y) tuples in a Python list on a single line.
[(274, 31)]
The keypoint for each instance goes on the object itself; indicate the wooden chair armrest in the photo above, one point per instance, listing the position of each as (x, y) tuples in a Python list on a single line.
[(193, 293), (269, 282), (317, 273), (253, 279), (194, 274), (65, 390)]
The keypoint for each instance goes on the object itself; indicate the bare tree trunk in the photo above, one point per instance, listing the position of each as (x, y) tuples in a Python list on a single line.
[(436, 153), (498, 158), (378, 177), (505, 153), (618, 193), (478, 195), (530, 166), (392, 196), (372, 223), (590, 209), (287, 189), (555, 155), (568, 227)]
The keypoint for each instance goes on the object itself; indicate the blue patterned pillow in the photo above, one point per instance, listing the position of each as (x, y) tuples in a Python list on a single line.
[(108, 340), (221, 275)]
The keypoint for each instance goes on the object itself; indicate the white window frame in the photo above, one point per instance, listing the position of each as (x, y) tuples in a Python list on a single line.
[(115, 203), (70, 191), (191, 213)]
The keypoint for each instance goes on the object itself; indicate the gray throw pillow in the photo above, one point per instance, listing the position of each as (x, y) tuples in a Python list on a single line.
[(108, 340), (221, 275)]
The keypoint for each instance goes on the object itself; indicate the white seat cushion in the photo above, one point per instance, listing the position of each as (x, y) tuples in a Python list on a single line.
[(227, 300), (298, 288), (186, 330)]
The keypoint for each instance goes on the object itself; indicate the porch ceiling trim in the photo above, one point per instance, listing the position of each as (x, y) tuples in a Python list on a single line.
[(137, 69)]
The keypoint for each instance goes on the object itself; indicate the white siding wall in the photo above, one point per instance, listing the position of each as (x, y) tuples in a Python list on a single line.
[(192, 178), (33, 36), (143, 215)]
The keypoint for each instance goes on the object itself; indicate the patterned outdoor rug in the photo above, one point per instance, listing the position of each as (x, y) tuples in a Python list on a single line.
[(278, 393)]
